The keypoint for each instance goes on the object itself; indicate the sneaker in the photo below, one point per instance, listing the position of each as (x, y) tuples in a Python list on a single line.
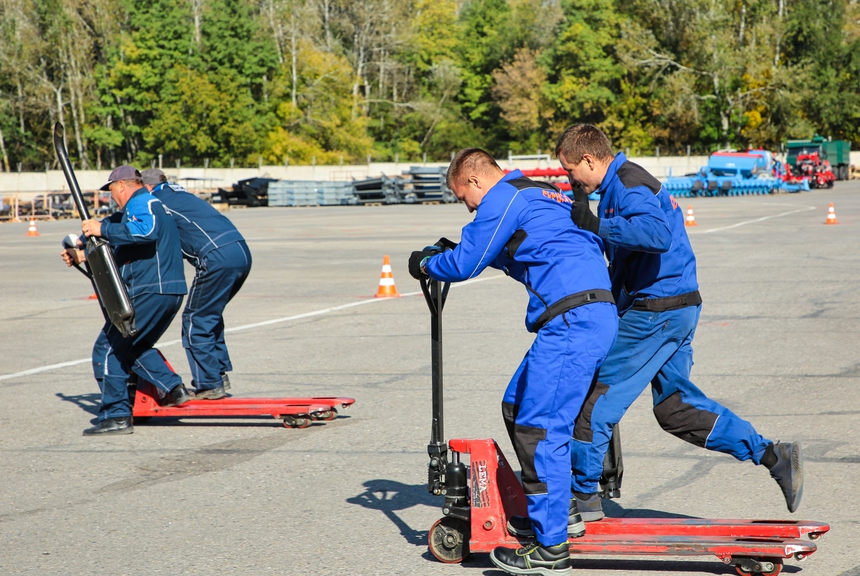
[(225, 381), (178, 396), (534, 558), (210, 393), (589, 506), (788, 472), (120, 425), (522, 526)]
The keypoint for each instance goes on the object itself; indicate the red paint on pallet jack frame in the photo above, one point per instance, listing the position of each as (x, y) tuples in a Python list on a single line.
[(146, 406), (496, 495)]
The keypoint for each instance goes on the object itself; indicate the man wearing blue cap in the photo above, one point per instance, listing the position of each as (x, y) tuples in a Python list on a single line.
[(222, 261), (146, 248)]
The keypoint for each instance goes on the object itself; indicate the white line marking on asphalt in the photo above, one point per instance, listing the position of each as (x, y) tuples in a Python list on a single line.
[(744, 223), (245, 327)]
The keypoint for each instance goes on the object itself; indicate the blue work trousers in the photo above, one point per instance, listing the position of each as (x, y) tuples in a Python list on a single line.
[(655, 347), (542, 401), (115, 357), (220, 275)]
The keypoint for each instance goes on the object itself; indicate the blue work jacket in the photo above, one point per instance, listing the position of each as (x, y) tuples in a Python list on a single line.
[(529, 234), (145, 245), (201, 227), (647, 246)]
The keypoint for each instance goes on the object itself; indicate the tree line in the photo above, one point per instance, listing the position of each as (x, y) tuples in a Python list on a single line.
[(234, 82)]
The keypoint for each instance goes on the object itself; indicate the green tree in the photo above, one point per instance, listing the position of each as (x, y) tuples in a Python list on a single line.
[(320, 125)]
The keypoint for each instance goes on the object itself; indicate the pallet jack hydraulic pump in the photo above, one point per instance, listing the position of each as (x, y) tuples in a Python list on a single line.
[(482, 494)]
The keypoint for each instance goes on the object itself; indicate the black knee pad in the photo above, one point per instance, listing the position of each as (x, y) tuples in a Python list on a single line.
[(582, 429), (685, 421), (509, 414), (526, 440)]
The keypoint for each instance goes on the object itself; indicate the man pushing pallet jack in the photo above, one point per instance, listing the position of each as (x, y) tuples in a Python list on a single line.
[(523, 228), (140, 301)]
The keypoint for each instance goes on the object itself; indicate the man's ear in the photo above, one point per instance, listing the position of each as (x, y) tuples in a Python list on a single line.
[(589, 160)]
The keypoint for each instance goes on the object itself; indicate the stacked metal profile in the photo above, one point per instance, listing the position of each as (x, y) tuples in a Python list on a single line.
[(382, 190), (310, 193), (428, 185), (249, 192)]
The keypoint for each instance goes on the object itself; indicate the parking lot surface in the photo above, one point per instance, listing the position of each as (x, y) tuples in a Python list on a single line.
[(778, 343)]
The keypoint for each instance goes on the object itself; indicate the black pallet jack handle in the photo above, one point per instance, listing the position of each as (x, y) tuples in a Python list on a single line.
[(435, 293), (101, 267)]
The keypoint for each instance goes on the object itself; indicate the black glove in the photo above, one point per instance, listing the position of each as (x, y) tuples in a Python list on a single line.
[(445, 244), (417, 258), (581, 213)]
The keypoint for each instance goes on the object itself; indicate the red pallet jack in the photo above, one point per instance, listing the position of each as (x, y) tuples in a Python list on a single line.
[(294, 412), (480, 498), (118, 309)]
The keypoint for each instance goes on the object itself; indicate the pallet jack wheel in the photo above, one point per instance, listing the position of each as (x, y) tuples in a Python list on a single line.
[(449, 540), (758, 566), (325, 415), (293, 422)]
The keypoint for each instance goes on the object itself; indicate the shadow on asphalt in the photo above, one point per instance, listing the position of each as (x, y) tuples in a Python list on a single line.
[(389, 496), (614, 510), (87, 402)]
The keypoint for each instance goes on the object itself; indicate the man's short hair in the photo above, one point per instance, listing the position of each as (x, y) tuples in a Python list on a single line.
[(470, 160), (581, 139)]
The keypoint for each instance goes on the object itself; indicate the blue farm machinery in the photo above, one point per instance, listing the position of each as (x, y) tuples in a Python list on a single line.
[(738, 174)]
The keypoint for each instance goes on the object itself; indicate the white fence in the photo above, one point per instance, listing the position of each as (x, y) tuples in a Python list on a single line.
[(26, 185)]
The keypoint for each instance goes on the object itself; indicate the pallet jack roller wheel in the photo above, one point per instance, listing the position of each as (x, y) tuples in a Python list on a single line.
[(300, 422), (765, 566), (325, 415), (449, 540)]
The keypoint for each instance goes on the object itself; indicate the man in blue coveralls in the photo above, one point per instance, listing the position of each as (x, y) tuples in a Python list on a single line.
[(524, 228), (146, 249), (653, 273), (222, 261)]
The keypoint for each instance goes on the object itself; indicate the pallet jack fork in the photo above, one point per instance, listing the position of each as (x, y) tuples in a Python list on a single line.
[(480, 497), (294, 412)]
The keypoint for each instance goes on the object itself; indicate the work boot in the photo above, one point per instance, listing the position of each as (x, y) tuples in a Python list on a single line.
[(788, 471), (225, 380), (534, 558), (178, 396), (111, 426), (210, 393), (589, 506), (575, 525), (522, 526)]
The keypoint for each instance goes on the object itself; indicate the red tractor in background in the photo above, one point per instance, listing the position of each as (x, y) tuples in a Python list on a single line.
[(819, 172)]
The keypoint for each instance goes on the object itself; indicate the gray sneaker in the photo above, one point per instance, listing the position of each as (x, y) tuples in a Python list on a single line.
[(788, 472), (210, 393), (590, 508)]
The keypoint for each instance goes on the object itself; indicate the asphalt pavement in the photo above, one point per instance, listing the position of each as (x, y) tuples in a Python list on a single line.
[(778, 343)]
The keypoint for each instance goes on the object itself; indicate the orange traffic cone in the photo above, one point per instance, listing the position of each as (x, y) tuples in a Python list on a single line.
[(31, 231), (387, 289), (691, 220), (831, 215)]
